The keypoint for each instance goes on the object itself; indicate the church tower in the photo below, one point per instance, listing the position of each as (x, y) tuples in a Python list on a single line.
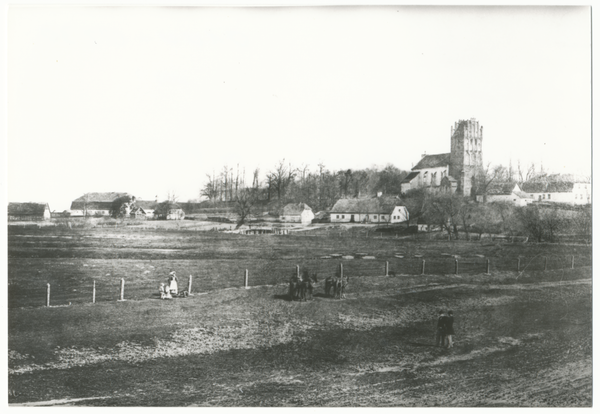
[(465, 153)]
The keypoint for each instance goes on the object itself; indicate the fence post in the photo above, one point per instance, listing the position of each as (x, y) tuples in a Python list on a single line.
[(518, 264), (572, 262), (545, 263), (122, 289), (48, 294), (190, 285), (94, 292), (423, 267), (246, 279), (387, 268), (341, 270), (298, 271), (455, 266), (487, 268)]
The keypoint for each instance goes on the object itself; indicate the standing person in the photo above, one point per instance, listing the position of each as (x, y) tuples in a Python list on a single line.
[(440, 331), (449, 329), (173, 283)]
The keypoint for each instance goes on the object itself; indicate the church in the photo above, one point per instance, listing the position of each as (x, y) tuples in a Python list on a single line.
[(455, 171)]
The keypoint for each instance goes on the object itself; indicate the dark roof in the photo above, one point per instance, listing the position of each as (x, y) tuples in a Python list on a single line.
[(500, 188), (90, 197), (146, 204), (433, 161), (295, 208), (27, 209), (410, 177), (547, 187), (376, 205)]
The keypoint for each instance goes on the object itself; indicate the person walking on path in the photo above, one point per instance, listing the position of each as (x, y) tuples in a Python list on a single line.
[(440, 331), (449, 329)]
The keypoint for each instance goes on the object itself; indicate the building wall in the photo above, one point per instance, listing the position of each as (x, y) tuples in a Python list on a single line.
[(374, 218), (399, 215), (431, 176)]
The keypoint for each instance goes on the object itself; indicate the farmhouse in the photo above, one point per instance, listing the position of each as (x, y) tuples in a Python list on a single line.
[(454, 171), (28, 211), (95, 204), (297, 213), (369, 210), (143, 208), (168, 211), (559, 188), (504, 192)]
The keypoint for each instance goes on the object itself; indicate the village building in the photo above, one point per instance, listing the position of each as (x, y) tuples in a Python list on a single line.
[(376, 210), (454, 171), (297, 213), (504, 192), (559, 188), (143, 209), (28, 212), (95, 204), (172, 211)]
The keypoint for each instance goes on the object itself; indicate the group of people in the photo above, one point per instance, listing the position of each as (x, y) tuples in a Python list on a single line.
[(167, 291), (445, 329)]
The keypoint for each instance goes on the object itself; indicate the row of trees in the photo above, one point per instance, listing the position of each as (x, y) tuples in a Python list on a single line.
[(319, 188)]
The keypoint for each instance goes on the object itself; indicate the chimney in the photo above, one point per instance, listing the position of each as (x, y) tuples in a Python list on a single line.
[(424, 154)]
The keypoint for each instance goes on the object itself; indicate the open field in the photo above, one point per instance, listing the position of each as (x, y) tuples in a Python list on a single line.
[(522, 338), (70, 260)]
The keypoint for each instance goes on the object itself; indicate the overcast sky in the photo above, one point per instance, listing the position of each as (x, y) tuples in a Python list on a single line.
[(150, 100)]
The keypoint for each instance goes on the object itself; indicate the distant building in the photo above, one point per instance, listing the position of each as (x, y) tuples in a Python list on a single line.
[(144, 207), (28, 212), (504, 192), (559, 188), (459, 166), (297, 213), (168, 211), (95, 204), (374, 210)]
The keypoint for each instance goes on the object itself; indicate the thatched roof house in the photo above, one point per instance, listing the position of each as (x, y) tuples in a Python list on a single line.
[(369, 210), (91, 204), (297, 213), (28, 211)]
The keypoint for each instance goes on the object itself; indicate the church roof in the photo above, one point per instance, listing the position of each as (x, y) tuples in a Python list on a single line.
[(433, 161)]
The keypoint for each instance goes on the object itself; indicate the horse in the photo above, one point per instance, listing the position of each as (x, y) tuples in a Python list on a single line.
[(308, 285), (339, 287), (295, 286)]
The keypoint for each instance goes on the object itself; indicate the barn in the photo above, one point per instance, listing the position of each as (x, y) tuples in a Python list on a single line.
[(95, 204), (28, 212), (376, 210), (297, 213)]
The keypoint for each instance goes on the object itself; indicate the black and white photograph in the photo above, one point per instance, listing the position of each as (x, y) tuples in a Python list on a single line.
[(263, 205)]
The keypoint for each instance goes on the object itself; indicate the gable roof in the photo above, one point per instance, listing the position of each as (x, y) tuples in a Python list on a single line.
[(295, 209), (433, 161), (501, 188), (376, 205), (146, 204), (410, 177), (547, 187), (27, 209), (91, 197)]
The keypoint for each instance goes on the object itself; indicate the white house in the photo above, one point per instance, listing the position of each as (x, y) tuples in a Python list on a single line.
[(559, 188), (297, 213), (377, 210), (504, 192)]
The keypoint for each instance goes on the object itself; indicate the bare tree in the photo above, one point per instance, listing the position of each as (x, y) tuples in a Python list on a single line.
[(244, 205)]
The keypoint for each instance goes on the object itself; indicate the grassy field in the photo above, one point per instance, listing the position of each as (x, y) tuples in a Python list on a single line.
[(522, 338), (72, 260)]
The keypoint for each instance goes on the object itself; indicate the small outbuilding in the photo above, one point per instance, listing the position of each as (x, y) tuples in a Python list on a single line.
[(297, 213), (28, 212), (376, 210)]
